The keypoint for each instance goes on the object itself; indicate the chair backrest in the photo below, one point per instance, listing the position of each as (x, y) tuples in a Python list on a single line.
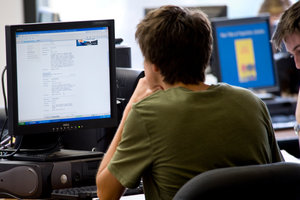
[(269, 181)]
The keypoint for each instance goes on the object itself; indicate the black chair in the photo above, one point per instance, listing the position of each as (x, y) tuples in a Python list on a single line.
[(268, 181)]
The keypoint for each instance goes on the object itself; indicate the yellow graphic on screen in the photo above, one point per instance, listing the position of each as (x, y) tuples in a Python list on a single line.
[(245, 60)]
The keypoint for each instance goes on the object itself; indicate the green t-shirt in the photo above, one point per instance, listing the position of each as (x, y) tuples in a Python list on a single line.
[(173, 135)]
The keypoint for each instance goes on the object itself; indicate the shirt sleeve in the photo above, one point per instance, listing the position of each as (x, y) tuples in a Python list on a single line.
[(275, 150), (133, 154), (276, 153)]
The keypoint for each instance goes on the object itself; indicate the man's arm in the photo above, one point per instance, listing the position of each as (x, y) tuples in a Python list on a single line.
[(108, 187)]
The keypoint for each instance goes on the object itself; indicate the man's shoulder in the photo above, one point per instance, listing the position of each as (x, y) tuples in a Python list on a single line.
[(149, 100), (235, 89), (240, 93)]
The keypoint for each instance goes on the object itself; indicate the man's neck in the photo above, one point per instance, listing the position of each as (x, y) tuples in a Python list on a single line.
[(193, 87)]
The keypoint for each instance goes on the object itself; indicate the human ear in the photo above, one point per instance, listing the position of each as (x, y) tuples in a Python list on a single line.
[(155, 68)]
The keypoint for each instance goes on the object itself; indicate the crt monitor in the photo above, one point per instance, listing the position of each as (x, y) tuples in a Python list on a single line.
[(242, 54), (60, 78)]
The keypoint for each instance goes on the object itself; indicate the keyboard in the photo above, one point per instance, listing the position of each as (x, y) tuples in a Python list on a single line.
[(87, 192), (283, 121)]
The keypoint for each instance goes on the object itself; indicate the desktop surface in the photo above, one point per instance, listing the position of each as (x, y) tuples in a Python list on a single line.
[(59, 155)]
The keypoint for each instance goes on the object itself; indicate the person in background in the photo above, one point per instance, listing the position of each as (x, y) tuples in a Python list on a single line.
[(274, 8), (175, 126), (287, 74), (288, 31)]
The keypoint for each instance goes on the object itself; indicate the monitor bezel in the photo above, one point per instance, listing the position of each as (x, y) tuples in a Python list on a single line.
[(55, 127), (215, 61)]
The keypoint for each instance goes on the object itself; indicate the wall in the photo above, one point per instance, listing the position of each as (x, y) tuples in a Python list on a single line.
[(11, 12), (128, 13)]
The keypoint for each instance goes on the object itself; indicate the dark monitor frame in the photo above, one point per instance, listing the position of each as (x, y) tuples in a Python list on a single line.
[(215, 61), (17, 130), (211, 11)]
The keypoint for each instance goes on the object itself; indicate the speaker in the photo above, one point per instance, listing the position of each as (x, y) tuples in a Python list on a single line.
[(24, 179)]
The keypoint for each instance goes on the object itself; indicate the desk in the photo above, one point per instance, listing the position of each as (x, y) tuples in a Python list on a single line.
[(285, 134), (287, 140), (284, 137), (134, 197)]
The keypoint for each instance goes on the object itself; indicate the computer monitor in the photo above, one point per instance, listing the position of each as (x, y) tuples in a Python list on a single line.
[(212, 11), (242, 54), (60, 78)]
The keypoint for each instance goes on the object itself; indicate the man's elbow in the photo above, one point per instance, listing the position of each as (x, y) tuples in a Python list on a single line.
[(101, 187), (98, 183), (108, 187)]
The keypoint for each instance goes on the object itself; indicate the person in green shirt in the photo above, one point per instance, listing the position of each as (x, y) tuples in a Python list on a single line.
[(176, 126)]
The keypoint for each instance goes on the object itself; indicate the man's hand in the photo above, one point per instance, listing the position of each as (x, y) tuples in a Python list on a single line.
[(143, 90)]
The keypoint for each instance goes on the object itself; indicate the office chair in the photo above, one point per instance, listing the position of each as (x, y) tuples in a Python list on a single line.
[(268, 181), (127, 80)]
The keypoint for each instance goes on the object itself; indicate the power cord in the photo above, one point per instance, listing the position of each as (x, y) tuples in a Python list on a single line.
[(7, 153), (3, 91), (9, 195), (6, 139)]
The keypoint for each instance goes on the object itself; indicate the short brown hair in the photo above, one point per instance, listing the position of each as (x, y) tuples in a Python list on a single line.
[(178, 41), (289, 23)]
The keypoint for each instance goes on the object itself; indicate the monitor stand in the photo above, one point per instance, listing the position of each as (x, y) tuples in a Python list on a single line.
[(47, 148)]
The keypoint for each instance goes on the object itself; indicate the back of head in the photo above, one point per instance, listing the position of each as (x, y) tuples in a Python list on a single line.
[(289, 23), (178, 41)]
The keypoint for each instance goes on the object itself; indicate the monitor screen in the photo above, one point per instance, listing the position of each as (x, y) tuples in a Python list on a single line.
[(243, 53), (60, 76)]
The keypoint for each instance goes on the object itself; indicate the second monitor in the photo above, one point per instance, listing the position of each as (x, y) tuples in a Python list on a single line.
[(243, 53)]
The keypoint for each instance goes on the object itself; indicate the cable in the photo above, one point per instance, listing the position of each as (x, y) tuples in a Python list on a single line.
[(101, 138), (2, 129), (10, 195), (3, 91), (14, 152), (2, 138)]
